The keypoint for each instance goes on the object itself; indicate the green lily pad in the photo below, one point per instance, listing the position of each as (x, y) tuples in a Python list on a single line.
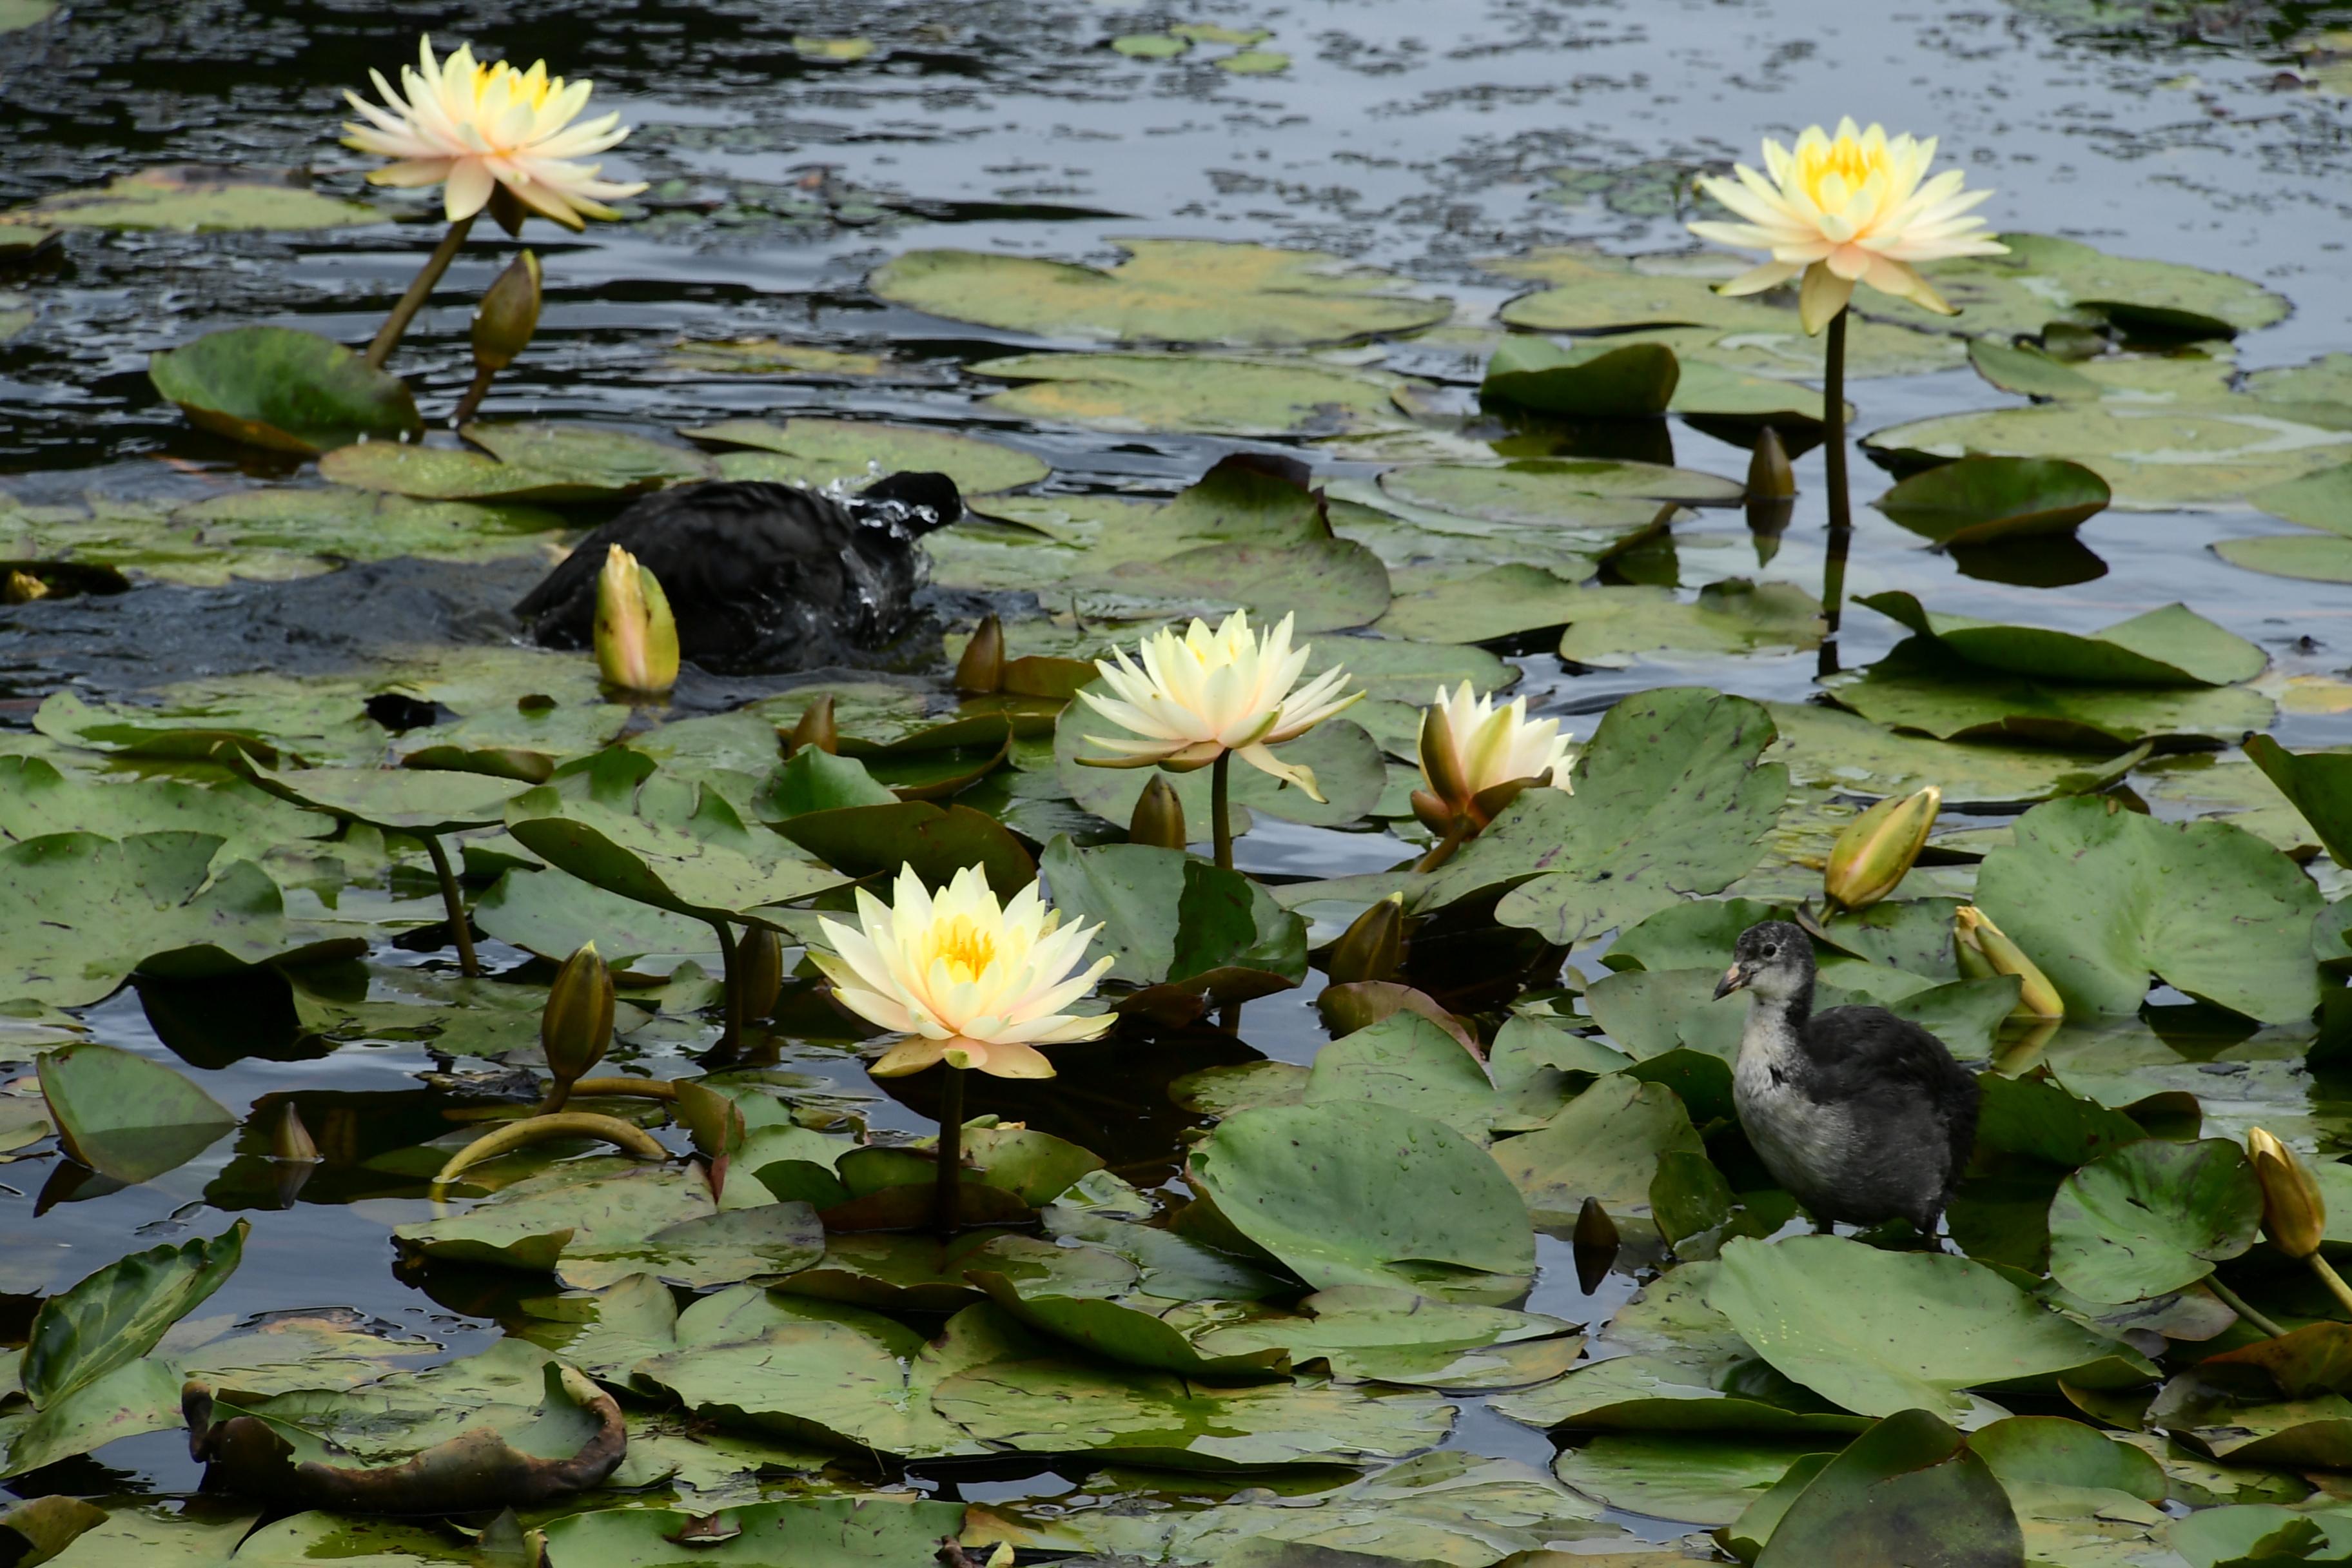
[(1170, 919), (1167, 290), (774, 356), (2102, 897), (1503, 602), (80, 913), (125, 1116), (821, 452), (2317, 784), (192, 197), (2042, 276), (405, 800), (1150, 46), (600, 1201), (121, 1312), (1129, 1334), (1550, 490), (1409, 1062), (2322, 501), (287, 390), (2306, 557), (1918, 686), (1907, 1488), (1592, 382), (1350, 1192), (1822, 748), (1671, 799), (449, 473), (676, 845), (1206, 395), (918, 1273), (139, 1397), (1695, 1479), (864, 840), (357, 525), (2170, 646), (1735, 616), (2190, 377), (1372, 1334), (1606, 1145), (2152, 1216), (1844, 1319), (591, 454), (865, 1531), (1324, 583), (1983, 501), (724, 1248), (552, 912), (16, 16), (37, 799), (2156, 457)]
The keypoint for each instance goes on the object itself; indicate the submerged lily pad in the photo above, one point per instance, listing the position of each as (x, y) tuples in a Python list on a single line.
[(821, 452), (1167, 290), (192, 197), (2102, 897), (1983, 501), (287, 390), (1203, 394)]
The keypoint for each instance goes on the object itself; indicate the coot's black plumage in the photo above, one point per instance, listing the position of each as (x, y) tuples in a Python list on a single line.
[(1862, 1115), (760, 574)]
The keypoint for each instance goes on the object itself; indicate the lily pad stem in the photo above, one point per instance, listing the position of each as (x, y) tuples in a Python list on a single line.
[(2238, 1305), (731, 1038), (461, 930), (544, 1128), (483, 377), (946, 1196), (1221, 827), (420, 289), (2332, 1280)]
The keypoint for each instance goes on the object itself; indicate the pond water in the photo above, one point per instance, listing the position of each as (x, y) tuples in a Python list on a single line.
[(1423, 140)]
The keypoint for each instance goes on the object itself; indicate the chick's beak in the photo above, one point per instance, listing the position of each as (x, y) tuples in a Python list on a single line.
[(1734, 979)]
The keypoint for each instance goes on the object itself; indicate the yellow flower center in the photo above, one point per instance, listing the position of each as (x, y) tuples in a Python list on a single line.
[(966, 947), (520, 86), (1830, 174)]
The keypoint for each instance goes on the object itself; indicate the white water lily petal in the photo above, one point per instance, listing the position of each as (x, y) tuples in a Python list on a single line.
[(1497, 745), (1187, 699)]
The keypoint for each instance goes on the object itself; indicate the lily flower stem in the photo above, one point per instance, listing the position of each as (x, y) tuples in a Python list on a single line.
[(1443, 850), (1833, 424), (1221, 827), (733, 965), (461, 930), (947, 1194), (2238, 1305), (420, 289), (2332, 1280), (483, 377)]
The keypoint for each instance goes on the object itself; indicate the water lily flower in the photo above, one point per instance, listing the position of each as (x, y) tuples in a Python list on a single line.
[(1878, 849), (973, 985), (637, 635), (473, 128), (1476, 758), (1853, 208), (1201, 696), (1983, 950)]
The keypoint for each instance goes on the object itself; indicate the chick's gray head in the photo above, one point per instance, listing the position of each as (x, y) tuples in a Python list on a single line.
[(1773, 959)]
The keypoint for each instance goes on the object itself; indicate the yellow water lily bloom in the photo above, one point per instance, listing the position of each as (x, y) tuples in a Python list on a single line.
[(472, 128), (973, 984), (1486, 745), (1853, 208), (1204, 694)]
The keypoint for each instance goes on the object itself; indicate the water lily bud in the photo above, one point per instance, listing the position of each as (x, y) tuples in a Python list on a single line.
[(1372, 946), (636, 637), (1985, 950), (1434, 813), (508, 315), (760, 957), (1158, 818), (291, 1140), (816, 729), (576, 1025), (982, 668), (1770, 475), (1441, 759), (22, 588), (2293, 1212), (1874, 853)]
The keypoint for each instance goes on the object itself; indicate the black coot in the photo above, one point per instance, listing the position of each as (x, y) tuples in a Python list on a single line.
[(1862, 1115), (762, 576)]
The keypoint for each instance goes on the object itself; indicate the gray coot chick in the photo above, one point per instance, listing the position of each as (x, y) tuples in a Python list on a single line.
[(1862, 1115), (762, 576)]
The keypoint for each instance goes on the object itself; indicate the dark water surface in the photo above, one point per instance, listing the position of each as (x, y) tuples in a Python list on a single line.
[(1418, 136)]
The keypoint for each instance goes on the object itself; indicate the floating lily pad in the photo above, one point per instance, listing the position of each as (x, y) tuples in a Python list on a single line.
[(1593, 382), (1919, 687), (1823, 748), (1170, 919), (126, 1116), (2308, 557), (601, 1202), (446, 473), (1167, 290), (406, 800), (1502, 602), (2173, 646), (1696, 1479), (1733, 617), (355, 525), (935, 842), (820, 1532), (766, 1239), (1255, 62), (119, 1313), (37, 799), (194, 196), (1983, 501), (2152, 1216), (591, 454), (2322, 501), (1908, 1486), (1324, 583), (2191, 377), (2042, 276), (1844, 1319), (1359, 1194), (1605, 1145), (2102, 897), (1194, 394), (821, 452), (1150, 46), (2317, 784), (287, 390), (1550, 490), (2156, 456), (772, 356), (1670, 800)]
